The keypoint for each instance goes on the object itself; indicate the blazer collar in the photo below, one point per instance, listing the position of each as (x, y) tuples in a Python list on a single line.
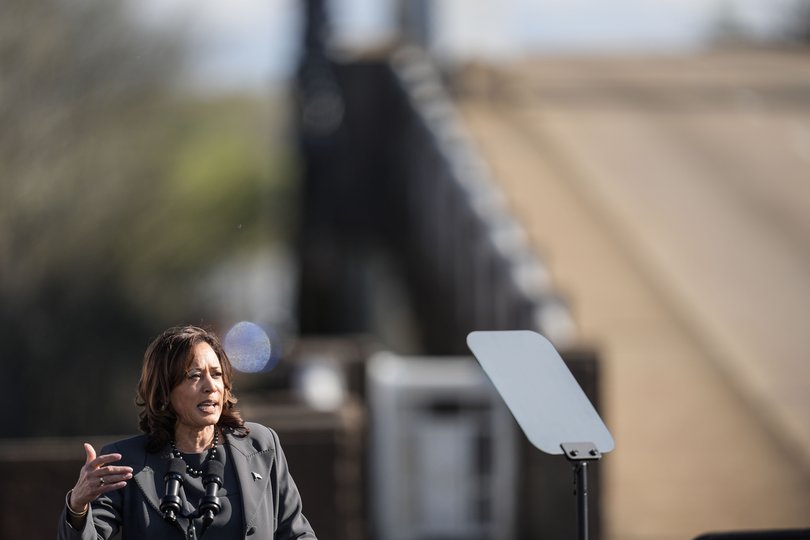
[(253, 466)]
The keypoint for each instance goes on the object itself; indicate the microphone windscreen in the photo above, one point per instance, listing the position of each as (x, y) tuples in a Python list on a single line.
[(214, 467), (176, 465)]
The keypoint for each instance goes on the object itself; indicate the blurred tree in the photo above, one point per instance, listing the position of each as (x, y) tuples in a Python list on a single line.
[(111, 204)]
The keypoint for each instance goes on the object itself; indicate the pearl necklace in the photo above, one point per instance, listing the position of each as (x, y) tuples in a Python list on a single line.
[(212, 454)]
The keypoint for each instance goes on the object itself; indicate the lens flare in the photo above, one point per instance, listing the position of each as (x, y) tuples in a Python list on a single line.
[(249, 348)]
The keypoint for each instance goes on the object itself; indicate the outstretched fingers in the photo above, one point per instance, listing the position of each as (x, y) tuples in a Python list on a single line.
[(93, 462), (98, 477)]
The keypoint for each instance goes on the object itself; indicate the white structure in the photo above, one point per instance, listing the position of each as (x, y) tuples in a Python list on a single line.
[(443, 451)]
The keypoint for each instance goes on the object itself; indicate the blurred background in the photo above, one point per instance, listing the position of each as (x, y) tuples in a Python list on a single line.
[(368, 181)]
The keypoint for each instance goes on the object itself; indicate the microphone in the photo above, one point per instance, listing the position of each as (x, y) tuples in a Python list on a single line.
[(212, 482), (170, 503)]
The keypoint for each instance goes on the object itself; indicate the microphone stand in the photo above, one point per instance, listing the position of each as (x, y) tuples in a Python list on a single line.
[(170, 503), (212, 482), (210, 504)]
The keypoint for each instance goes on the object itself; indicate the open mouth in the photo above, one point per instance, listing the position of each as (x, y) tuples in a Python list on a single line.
[(207, 406)]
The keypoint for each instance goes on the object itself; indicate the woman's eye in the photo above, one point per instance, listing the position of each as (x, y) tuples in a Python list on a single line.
[(193, 376), (217, 375)]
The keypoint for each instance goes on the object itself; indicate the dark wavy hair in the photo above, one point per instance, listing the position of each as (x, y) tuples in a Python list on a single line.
[(165, 364)]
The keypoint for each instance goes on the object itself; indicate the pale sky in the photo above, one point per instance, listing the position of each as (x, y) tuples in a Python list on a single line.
[(255, 42)]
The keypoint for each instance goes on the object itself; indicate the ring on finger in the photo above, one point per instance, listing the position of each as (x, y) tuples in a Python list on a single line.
[(101, 481)]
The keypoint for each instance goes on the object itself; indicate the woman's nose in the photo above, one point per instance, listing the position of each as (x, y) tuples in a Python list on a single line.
[(208, 383)]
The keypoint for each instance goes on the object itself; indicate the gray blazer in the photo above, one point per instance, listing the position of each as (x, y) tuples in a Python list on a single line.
[(270, 499)]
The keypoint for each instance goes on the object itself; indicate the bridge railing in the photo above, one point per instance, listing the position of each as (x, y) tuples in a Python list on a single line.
[(473, 257)]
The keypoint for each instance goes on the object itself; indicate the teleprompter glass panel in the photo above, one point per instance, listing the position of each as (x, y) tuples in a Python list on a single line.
[(539, 390)]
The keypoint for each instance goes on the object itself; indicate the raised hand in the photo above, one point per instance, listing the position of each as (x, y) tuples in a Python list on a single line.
[(96, 478)]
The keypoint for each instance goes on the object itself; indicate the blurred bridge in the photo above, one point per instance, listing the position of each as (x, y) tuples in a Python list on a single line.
[(664, 204), (405, 237)]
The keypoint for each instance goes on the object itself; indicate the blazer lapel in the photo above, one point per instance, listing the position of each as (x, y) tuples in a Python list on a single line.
[(150, 481), (253, 472)]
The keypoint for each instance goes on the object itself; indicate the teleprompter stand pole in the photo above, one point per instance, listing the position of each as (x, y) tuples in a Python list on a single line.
[(579, 454)]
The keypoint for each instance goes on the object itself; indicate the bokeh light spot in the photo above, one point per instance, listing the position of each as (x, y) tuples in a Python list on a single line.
[(249, 348)]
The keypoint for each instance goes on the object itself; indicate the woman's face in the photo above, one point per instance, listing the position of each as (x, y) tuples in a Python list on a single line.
[(197, 399)]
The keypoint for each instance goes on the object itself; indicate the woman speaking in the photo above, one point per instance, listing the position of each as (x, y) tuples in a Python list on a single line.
[(198, 470)]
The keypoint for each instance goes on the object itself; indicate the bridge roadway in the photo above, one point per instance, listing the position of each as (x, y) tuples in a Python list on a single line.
[(670, 198)]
